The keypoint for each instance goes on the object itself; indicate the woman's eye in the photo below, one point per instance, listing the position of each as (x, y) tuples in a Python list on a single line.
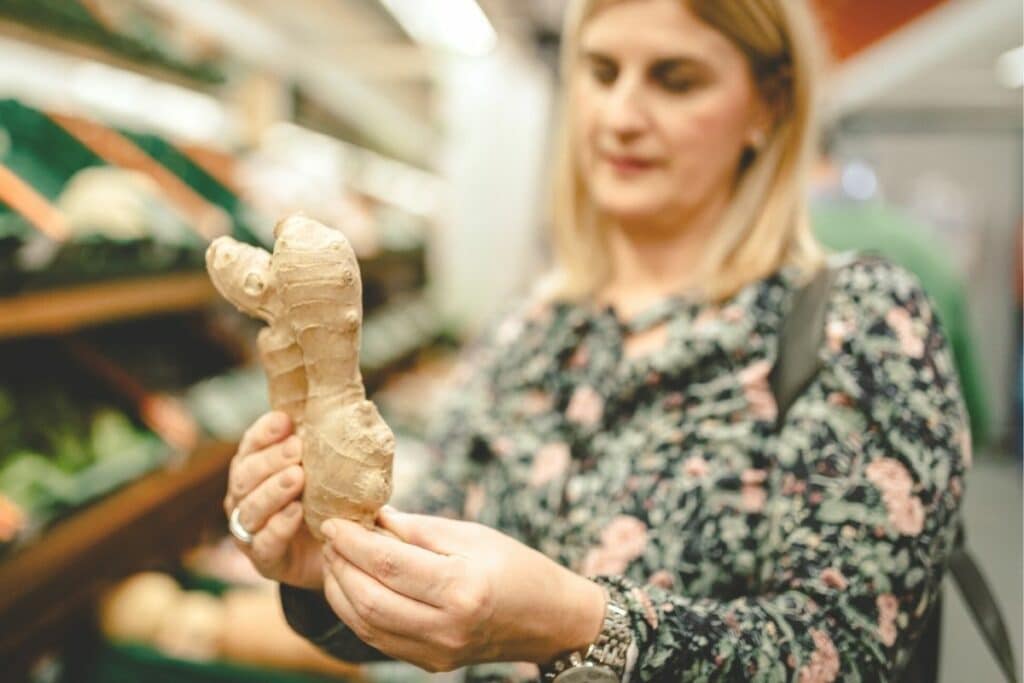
[(678, 84), (676, 78), (605, 74)]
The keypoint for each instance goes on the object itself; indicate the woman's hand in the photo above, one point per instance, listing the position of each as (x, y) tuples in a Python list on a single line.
[(455, 593), (265, 483)]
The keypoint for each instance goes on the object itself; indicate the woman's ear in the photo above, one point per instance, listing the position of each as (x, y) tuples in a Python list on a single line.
[(757, 139), (762, 121), (775, 96)]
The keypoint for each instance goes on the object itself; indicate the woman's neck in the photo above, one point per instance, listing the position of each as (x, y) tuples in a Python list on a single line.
[(652, 259)]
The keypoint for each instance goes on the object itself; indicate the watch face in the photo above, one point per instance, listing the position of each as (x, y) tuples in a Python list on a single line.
[(587, 674)]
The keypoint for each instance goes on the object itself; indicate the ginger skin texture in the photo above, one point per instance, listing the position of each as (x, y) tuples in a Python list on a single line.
[(309, 292)]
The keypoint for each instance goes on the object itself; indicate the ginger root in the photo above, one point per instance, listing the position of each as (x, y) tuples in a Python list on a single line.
[(309, 292)]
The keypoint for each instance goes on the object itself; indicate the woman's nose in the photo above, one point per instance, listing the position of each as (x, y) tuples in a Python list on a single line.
[(625, 112)]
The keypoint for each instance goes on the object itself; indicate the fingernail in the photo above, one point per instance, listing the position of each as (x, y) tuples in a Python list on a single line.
[(286, 480), (293, 509), (329, 529), (292, 447)]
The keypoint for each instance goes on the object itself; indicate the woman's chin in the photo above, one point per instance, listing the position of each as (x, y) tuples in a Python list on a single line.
[(633, 213)]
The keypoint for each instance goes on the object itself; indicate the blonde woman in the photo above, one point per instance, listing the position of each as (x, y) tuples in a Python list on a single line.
[(629, 508)]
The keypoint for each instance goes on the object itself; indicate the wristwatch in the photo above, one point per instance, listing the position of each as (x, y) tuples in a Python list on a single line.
[(604, 661)]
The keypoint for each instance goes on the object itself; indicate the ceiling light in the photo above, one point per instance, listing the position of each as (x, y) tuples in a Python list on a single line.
[(456, 25)]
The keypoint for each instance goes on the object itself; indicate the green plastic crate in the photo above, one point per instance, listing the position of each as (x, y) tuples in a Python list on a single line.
[(122, 663)]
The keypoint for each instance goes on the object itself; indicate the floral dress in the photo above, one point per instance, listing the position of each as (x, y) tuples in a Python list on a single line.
[(810, 550)]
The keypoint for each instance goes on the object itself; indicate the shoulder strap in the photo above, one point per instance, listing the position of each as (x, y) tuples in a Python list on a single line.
[(981, 603), (801, 335)]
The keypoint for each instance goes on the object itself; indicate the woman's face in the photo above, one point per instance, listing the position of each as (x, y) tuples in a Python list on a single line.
[(664, 106)]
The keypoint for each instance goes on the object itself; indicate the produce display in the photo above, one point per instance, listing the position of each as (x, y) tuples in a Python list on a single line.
[(58, 451), (242, 625), (64, 439), (78, 411), (310, 294), (227, 404), (119, 222)]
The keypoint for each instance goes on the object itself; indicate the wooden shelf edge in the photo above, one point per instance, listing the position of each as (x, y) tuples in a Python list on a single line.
[(144, 525), (61, 310)]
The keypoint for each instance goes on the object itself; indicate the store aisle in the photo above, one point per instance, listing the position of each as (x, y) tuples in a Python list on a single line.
[(994, 529)]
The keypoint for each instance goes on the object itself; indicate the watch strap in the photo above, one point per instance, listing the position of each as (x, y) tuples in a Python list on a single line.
[(611, 646)]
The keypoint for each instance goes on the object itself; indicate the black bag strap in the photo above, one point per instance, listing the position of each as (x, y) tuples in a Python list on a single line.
[(801, 336), (977, 595)]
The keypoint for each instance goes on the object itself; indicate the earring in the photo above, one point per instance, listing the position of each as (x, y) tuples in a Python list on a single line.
[(758, 139)]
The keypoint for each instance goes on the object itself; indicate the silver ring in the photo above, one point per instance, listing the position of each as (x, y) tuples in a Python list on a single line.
[(236, 528)]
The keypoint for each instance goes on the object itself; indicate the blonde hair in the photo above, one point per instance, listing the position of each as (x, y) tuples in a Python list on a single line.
[(766, 226)]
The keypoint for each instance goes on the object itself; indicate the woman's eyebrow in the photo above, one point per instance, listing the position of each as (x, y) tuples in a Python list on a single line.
[(662, 63), (595, 56), (668, 63)]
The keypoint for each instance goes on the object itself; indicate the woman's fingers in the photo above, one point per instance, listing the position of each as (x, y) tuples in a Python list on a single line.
[(415, 572), (377, 608), (343, 607), (436, 534), (270, 497), (270, 545), (268, 429), (249, 471)]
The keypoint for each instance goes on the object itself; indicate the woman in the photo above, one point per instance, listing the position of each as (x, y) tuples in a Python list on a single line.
[(614, 446)]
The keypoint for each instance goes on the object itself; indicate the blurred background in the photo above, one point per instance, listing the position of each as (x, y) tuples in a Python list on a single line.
[(134, 131)]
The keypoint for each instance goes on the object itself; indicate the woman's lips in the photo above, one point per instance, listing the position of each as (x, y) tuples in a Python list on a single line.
[(628, 164)]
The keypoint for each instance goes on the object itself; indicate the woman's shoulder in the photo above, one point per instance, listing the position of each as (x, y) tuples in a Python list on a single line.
[(864, 274), (879, 309), (869, 287)]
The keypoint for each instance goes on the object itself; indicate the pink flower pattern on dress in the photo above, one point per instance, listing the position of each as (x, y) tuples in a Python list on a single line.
[(695, 466), (890, 476), (585, 407), (623, 540), (537, 402), (836, 334), (833, 578), (550, 462), (824, 664), (754, 380), (888, 610), (906, 514), (663, 579), (905, 511), (579, 357), (753, 497), (903, 325)]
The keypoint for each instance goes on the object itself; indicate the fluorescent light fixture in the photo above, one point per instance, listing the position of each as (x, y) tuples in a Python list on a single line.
[(157, 105), (456, 25), (52, 80), (1010, 68)]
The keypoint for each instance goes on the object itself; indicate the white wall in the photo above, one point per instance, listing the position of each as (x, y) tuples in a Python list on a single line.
[(497, 114)]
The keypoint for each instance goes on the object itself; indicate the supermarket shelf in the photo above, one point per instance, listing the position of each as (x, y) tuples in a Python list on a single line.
[(60, 310), (48, 40), (50, 586)]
